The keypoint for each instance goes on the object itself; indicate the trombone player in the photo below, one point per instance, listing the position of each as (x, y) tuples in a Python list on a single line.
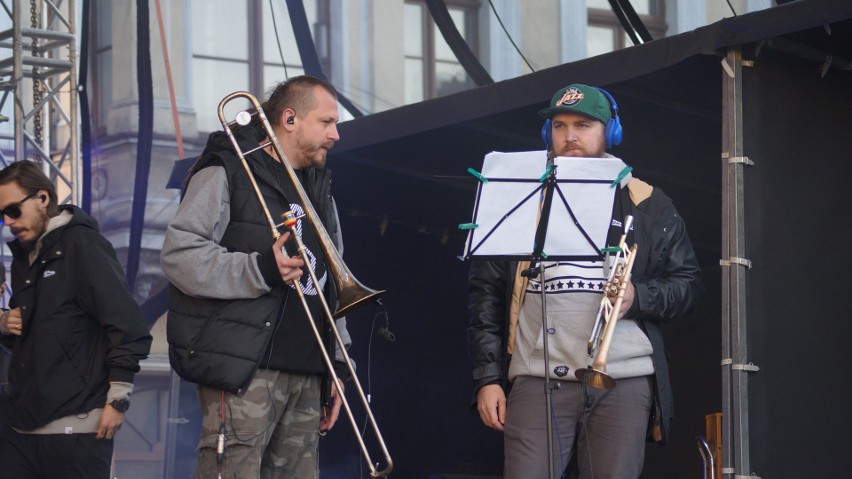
[(605, 430), (235, 326)]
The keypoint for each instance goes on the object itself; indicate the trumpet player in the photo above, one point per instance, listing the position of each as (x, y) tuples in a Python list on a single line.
[(235, 326), (604, 431)]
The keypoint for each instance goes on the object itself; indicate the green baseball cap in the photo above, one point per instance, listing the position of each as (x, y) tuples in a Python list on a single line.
[(583, 99)]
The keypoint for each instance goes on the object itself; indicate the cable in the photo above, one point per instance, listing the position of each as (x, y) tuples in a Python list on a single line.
[(383, 312), (510, 36), (278, 40), (220, 440), (732, 7), (170, 81), (588, 402), (369, 389), (555, 422)]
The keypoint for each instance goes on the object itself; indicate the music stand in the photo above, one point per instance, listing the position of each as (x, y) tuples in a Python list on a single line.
[(530, 207)]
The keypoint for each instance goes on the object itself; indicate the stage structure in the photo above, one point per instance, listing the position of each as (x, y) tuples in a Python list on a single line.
[(38, 78), (743, 124)]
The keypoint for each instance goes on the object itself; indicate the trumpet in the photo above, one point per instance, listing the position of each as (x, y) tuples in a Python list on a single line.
[(351, 292), (601, 338)]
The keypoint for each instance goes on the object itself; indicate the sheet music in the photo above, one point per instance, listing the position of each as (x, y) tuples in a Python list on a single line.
[(507, 206)]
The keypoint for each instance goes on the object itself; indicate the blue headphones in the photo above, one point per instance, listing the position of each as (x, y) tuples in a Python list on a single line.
[(612, 131)]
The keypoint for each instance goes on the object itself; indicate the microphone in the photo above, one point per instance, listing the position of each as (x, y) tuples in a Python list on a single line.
[(386, 334), (530, 272), (533, 270)]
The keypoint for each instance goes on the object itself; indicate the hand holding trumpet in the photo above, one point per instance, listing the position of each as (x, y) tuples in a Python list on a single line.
[(626, 301)]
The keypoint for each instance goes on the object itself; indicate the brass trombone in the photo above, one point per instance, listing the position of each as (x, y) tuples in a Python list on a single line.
[(601, 338), (351, 291)]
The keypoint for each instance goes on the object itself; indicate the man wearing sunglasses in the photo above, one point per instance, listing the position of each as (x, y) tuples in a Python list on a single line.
[(75, 332)]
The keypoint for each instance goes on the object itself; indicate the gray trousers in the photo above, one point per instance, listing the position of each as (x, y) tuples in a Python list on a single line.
[(608, 436), (271, 432)]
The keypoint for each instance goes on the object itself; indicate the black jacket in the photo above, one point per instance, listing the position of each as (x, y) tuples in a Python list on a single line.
[(81, 327), (668, 285), (220, 342)]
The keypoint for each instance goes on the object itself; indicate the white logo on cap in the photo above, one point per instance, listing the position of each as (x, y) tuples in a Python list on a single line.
[(571, 97)]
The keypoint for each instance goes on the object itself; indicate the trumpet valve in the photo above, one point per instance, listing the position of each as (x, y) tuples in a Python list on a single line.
[(611, 289)]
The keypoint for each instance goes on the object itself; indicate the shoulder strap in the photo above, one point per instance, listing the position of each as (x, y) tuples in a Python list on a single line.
[(639, 190)]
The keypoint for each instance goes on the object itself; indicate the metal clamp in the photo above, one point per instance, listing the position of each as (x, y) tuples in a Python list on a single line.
[(728, 69), (736, 260), (750, 367), (733, 160), (731, 470)]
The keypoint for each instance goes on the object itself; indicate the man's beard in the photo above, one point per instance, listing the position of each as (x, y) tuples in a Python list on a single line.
[(583, 150), (315, 157), (38, 231)]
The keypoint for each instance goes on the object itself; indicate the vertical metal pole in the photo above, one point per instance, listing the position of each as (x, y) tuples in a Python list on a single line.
[(17, 79), (548, 388), (73, 127), (55, 69), (173, 422), (735, 460)]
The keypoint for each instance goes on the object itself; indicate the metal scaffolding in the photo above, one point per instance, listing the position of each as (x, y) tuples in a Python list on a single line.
[(38, 65)]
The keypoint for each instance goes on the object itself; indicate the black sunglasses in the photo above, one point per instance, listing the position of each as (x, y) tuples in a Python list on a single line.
[(14, 210)]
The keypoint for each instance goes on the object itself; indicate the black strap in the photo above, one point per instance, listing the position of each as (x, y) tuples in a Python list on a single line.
[(637, 23), (630, 21), (146, 131), (621, 207), (85, 117)]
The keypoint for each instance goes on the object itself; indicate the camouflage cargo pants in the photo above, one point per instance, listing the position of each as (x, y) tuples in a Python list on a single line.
[(272, 432)]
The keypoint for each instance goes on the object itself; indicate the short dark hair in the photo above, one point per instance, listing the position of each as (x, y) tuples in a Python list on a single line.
[(30, 177), (296, 94)]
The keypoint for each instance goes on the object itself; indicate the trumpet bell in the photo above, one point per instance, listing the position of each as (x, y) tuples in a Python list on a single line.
[(595, 378)]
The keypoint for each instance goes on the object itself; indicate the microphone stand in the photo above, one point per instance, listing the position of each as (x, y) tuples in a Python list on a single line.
[(537, 257)]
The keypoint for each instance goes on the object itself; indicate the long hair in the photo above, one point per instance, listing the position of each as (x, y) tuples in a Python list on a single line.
[(31, 178)]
